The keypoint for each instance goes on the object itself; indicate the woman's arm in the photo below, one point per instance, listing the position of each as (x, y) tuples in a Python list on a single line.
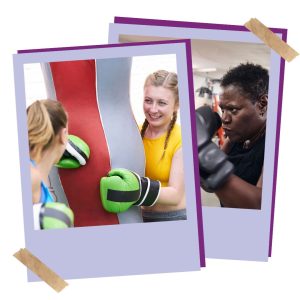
[(174, 192), (237, 193)]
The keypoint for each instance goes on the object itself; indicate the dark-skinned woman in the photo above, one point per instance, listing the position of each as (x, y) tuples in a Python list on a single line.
[(243, 101)]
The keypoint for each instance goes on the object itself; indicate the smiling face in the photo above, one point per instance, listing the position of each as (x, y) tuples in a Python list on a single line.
[(159, 105), (241, 119)]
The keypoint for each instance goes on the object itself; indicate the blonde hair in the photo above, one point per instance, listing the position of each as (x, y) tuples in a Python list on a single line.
[(165, 79), (45, 118), (169, 81)]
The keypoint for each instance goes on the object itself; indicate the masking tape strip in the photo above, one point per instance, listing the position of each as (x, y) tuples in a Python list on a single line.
[(271, 39), (40, 269)]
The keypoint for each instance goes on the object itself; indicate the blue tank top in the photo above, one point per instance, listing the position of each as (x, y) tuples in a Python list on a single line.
[(45, 194)]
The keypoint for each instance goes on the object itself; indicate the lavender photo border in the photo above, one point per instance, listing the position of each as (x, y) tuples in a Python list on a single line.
[(102, 240), (221, 27)]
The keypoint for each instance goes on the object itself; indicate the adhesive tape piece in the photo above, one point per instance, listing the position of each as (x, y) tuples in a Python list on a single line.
[(40, 269), (271, 39)]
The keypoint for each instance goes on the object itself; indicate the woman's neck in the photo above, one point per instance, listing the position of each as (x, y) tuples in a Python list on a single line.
[(251, 141), (48, 159), (155, 132)]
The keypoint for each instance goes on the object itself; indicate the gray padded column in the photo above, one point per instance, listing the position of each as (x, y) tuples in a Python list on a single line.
[(122, 134)]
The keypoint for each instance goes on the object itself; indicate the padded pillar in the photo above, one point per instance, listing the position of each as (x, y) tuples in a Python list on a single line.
[(74, 84), (123, 137)]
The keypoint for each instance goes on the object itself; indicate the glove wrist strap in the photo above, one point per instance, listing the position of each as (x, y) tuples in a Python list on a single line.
[(149, 192)]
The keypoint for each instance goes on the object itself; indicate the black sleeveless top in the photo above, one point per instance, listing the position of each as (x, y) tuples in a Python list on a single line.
[(248, 163)]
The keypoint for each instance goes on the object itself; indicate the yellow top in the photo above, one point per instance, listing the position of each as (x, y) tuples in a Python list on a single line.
[(157, 168)]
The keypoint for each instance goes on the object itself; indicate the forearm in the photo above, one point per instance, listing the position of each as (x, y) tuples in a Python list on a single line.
[(237, 193), (173, 194), (169, 196)]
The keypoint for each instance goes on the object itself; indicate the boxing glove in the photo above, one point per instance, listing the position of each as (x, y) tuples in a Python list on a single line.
[(76, 154), (214, 167), (123, 188), (52, 215)]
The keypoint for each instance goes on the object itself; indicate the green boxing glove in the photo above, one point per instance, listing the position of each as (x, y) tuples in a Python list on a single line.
[(76, 154), (123, 188), (52, 215)]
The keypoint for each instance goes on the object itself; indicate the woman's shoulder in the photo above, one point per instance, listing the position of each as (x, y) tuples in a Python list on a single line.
[(177, 127), (177, 131), (175, 138), (35, 174)]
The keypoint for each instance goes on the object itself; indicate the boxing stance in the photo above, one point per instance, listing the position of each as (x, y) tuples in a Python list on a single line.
[(161, 194), (50, 144), (236, 174)]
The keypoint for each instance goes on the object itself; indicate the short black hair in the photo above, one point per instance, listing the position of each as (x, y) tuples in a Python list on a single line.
[(253, 80)]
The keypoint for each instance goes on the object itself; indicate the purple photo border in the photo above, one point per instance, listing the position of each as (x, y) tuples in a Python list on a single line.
[(187, 43), (195, 152), (183, 24), (280, 96)]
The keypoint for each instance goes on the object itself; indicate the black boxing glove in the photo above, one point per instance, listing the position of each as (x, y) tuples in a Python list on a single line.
[(214, 167)]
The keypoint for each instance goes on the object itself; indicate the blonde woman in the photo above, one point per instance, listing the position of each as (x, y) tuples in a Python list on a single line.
[(161, 193), (47, 124), (48, 137), (163, 147)]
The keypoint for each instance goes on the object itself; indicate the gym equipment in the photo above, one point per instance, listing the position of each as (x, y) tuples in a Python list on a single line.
[(76, 154), (122, 189), (52, 215)]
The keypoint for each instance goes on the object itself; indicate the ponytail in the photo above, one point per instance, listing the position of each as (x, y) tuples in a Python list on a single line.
[(44, 120)]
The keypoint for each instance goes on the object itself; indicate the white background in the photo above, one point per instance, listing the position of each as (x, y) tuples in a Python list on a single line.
[(41, 24), (141, 67)]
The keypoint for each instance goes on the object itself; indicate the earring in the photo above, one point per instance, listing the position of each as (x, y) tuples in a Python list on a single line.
[(262, 112)]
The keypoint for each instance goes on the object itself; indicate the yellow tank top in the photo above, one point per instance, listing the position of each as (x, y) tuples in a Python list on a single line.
[(157, 168)]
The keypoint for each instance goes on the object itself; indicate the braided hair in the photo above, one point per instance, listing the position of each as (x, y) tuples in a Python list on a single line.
[(169, 81)]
